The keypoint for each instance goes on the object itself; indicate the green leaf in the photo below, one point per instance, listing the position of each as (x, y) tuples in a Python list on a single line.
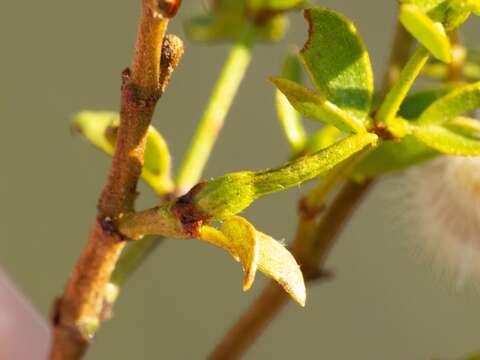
[(465, 126), (273, 5), (315, 107), (288, 116), (435, 9), (227, 21), (93, 126), (414, 105), (451, 13), (337, 61), (100, 128), (232, 193), (430, 34), (392, 156), (452, 105), (446, 140), (213, 28), (228, 18)]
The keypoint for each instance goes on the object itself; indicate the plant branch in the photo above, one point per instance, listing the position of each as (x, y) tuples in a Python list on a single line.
[(77, 315), (459, 54), (314, 238), (219, 104), (136, 253)]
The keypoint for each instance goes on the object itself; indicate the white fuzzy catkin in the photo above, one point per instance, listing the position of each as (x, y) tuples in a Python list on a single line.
[(445, 200)]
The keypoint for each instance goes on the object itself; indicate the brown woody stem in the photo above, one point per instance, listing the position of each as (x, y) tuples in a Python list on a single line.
[(77, 315), (314, 238), (459, 54)]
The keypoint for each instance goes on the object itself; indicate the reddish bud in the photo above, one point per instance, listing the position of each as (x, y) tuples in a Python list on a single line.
[(169, 8)]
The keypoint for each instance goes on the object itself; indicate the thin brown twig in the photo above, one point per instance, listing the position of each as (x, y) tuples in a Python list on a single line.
[(314, 239), (78, 313), (456, 66)]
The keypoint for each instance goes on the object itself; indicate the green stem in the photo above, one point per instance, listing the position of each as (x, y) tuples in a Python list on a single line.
[(220, 102), (389, 109), (131, 259)]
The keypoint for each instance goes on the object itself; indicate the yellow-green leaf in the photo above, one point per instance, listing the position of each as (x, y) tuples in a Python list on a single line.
[(93, 125), (100, 128), (277, 262), (257, 250), (415, 104), (447, 141), (239, 238), (289, 117), (273, 5), (213, 28), (451, 13), (430, 34), (337, 61), (316, 107), (452, 105)]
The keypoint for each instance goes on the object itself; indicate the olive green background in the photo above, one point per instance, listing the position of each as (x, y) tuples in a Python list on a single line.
[(58, 57)]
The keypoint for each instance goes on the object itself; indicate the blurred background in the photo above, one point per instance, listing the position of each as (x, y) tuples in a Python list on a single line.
[(59, 57)]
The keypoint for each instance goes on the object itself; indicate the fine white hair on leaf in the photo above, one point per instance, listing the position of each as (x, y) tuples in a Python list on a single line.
[(444, 201)]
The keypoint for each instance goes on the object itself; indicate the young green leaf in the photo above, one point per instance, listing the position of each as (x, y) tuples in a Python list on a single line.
[(258, 6), (289, 117), (414, 105), (255, 249), (232, 193), (452, 105), (337, 61), (93, 125), (465, 126), (430, 34), (213, 28), (435, 9), (227, 21), (100, 128), (315, 107), (451, 13), (459, 11), (447, 141)]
